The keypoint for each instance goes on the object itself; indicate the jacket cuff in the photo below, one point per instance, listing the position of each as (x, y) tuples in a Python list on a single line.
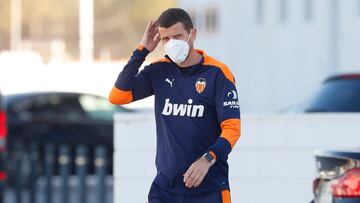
[(141, 51), (221, 149)]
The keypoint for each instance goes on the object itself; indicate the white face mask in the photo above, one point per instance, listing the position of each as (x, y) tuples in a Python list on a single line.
[(177, 50)]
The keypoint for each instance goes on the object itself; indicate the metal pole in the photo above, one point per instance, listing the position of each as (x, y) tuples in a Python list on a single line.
[(64, 163), (49, 170), (100, 170), (81, 171), (86, 30), (34, 160), (18, 150), (15, 35)]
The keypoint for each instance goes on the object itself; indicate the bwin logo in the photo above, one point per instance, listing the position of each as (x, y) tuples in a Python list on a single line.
[(183, 109)]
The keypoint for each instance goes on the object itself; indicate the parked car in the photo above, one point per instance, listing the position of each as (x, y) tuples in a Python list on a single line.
[(3, 134), (60, 118), (338, 171), (339, 93), (338, 176)]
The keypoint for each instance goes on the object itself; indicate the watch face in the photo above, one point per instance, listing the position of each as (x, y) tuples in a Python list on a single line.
[(209, 157)]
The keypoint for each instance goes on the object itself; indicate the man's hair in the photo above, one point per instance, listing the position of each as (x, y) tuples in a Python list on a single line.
[(172, 16)]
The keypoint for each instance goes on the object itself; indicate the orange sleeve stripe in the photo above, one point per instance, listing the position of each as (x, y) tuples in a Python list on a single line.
[(231, 130), (212, 154), (224, 68), (164, 59), (225, 196), (140, 47), (118, 96)]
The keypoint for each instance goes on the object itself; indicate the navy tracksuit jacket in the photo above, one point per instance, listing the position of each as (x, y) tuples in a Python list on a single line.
[(196, 111)]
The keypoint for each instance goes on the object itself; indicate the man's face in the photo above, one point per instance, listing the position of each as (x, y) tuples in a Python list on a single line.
[(176, 31)]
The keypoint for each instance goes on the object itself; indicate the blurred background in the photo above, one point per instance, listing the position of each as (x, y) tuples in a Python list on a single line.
[(266, 43), (52, 28), (60, 59)]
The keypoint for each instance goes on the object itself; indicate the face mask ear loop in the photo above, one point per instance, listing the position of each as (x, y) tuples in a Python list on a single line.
[(189, 37)]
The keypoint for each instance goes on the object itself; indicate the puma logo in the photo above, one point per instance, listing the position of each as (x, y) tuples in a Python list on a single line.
[(170, 81)]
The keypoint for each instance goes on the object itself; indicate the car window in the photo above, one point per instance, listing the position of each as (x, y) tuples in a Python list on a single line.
[(336, 96), (56, 107), (98, 107)]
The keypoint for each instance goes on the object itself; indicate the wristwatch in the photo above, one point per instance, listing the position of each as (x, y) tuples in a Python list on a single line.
[(209, 157)]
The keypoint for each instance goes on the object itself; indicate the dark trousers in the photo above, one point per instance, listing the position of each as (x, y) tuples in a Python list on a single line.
[(159, 195)]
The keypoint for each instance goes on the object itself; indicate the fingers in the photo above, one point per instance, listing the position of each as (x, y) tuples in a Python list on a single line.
[(192, 176), (151, 38), (196, 173), (151, 32), (152, 26), (189, 176), (149, 25), (155, 24), (188, 173), (157, 38), (199, 179)]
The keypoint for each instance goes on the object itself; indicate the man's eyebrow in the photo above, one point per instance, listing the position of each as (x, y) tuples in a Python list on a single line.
[(178, 35), (174, 36)]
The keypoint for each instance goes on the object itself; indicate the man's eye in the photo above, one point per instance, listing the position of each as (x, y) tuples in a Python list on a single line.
[(178, 36)]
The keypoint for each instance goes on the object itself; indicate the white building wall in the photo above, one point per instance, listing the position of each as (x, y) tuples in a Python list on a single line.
[(279, 63), (349, 34), (273, 161)]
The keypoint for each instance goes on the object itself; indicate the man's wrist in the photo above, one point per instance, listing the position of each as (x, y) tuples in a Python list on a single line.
[(142, 51), (209, 157)]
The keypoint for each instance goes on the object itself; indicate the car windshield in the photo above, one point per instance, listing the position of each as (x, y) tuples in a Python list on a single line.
[(341, 95), (98, 107)]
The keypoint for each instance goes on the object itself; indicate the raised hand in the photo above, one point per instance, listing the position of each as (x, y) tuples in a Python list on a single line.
[(151, 37)]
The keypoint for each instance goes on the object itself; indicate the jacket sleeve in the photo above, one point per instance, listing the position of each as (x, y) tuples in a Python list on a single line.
[(132, 85), (228, 113)]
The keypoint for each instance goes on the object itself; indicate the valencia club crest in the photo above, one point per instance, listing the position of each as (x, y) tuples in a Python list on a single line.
[(200, 85)]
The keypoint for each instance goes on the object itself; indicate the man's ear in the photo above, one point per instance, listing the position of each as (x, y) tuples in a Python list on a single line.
[(193, 33)]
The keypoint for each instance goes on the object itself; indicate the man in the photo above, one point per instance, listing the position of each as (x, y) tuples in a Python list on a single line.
[(196, 109)]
